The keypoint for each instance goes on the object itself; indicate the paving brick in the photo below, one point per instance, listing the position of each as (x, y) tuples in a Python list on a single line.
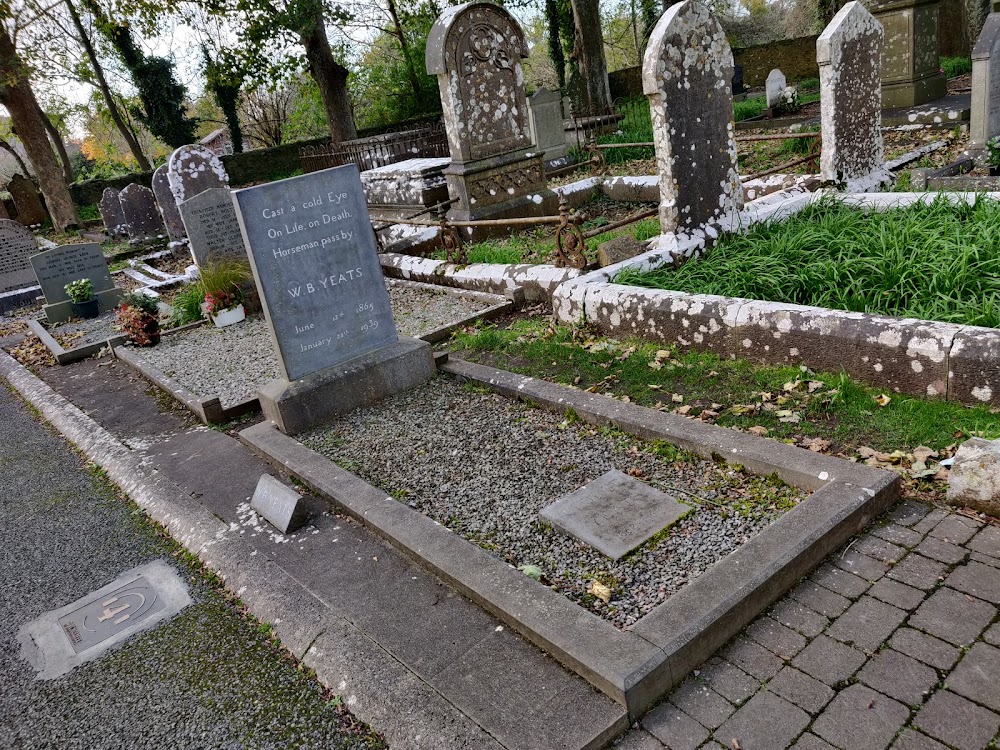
[(928, 522), (939, 549), (897, 534), (977, 579), (840, 581), (854, 562), (953, 616), (918, 571), (985, 559), (674, 728), (776, 638), (810, 741), (910, 739), (752, 658), (977, 676), (957, 722), (829, 661), (899, 677), (861, 719), (879, 549), (993, 635), (987, 542), (820, 599), (909, 512), (765, 722), (639, 739), (702, 703), (926, 648), (801, 689), (956, 529), (799, 617), (897, 594), (867, 623), (730, 682)]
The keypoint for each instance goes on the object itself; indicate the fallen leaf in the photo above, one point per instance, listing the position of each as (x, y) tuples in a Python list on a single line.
[(788, 416), (757, 430), (683, 410), (816, 445), (532, 571), (883, 400), (600, 591), (814, 385), (922, 453), (677, 398)]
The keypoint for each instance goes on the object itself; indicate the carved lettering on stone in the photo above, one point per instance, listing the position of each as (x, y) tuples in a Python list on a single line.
[(167, 205), (17, 245), (194, 169)]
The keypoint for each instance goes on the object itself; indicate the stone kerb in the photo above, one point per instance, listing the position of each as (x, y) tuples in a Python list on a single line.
[(193, 169), (985, 115), (687, 74), (849, 56)]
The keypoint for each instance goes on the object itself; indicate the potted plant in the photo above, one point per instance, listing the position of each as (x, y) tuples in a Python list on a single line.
[(138, 318), (223, 281), (993, 155), (81, 294)]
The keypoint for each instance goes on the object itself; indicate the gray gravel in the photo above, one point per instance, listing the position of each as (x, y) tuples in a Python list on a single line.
[(484, 465), (94, 330), (418, 311)]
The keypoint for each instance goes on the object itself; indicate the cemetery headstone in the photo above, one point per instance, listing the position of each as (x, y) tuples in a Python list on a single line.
[(142, 219), (985, 121), (110, 207), (545, 115), (314, 258), (739, 88), (17, 245), (848, 52), (475, 50), (279, 504), (30, 210), (773, 87), (194, 169), (167, 205), (57, 267), (691, 104), (212, 228)]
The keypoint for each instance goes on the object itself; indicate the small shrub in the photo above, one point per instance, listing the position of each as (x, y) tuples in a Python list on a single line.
[(993, 149), (137, 318), (187, 305), (222, 280), (956, 66), (81, 290)]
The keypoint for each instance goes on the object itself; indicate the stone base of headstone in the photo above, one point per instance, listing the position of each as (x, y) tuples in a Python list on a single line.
[(912, 93), (17, 298), (335, 391), (60, 312), (910, 68)]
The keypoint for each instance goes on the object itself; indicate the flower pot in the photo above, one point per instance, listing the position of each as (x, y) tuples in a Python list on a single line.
[(230, 316), (89, 309), (994, 170)]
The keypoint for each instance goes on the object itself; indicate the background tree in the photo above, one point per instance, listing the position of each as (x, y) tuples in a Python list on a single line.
[(588, 51), (225, 82)]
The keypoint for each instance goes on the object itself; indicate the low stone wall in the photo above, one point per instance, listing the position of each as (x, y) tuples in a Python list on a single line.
[(795, 57)]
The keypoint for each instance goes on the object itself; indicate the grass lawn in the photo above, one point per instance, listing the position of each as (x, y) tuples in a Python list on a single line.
[(934, 262)]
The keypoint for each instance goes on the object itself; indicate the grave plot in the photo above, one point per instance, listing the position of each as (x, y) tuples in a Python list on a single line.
[(77, 339)]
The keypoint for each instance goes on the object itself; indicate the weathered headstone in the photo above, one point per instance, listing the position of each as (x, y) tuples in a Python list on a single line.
[(545, 115), (17, 245), (985, 122), (167, 205), (212, 228), (30, 210), (475, 50), (279, 504), (404, 188), (686, 73), (848, 52), (317, 269), (773, 87), (194, 169), (142, 219), (57, 267), (110, 207)]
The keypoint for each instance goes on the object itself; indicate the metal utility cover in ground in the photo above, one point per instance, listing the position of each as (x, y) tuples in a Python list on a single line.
[(614, 514), (62, 639)]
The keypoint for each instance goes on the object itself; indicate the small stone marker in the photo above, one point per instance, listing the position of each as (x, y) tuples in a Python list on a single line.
[(773, 87), (691, 103), (141, 215), (110, 207), (974, 479), (545, 116), (618, 249), (211, 225), (30, 210), (279, 505), (17, 245), (614, 514), (194, 169), (60, 265), (985, 122), (849, 56), (167, 205)]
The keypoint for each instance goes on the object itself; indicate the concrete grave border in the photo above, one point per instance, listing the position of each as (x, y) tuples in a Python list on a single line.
[(68, 356), (639, 666)]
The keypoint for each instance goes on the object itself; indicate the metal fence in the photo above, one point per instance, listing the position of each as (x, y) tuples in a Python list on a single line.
[(427, 141)]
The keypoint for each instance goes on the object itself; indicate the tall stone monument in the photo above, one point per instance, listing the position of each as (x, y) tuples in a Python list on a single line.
[(142, 218), (687, 74), (30, 210), (475, 50), (110, 207), (985, 123), (167, 205), (848, 52), (193, 169)]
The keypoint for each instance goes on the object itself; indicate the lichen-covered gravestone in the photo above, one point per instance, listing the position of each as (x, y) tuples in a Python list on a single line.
[(985, 123), (687, 73), (17, 245), (475, 50), (58, 266), (30, 210), (167, 205), (848, 52), (773, 87), (194, 169), (212, 227), (142, 218), (110, 207)]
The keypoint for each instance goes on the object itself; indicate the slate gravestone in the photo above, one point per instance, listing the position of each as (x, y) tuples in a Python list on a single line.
[(314, 257), (167, 205), (57, 267), (279, 504), (212, 228), (110, 207), (849, 52), (985, 118), (691, 103), (141, 215), (773, 87), (30, 210), (194, 169), (17, 245)]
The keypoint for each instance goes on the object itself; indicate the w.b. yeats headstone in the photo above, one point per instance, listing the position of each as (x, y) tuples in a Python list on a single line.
[(17, 245), (212, 227), (30, 210), (194, 169), (141, 215), (167, 205), (57, 267), (110, 207)]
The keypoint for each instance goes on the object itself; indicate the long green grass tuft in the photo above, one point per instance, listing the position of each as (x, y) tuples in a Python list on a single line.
[(956, 66)]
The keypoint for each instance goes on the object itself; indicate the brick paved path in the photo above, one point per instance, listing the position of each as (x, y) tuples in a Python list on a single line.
[(891, 643)]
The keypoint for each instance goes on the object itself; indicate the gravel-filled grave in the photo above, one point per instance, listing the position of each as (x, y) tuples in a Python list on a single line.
[(484, 465), (80, 332)]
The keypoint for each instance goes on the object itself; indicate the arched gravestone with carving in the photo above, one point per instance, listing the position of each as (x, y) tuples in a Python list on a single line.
[(193, 169), (17, 245), (141, 215), (475, 50)]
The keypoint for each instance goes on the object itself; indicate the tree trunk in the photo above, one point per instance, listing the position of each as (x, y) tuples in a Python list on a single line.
[(555, 43), (25, 114), (109, 101), (331, 77), (17, 157), (590, 54), (401, 36), (57, 140)]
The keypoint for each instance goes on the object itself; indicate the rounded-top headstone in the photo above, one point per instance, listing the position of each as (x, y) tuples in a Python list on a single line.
[(475, 50), (141, 215), (110, 207), (193, 169), (167, 205), (774, 85)]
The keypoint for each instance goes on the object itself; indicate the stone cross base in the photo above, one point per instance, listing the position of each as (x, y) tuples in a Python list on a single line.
[(60, 312), (913, 93)]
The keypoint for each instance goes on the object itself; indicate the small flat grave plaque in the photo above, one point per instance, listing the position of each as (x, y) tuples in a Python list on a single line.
[(614, 514), (279, 504), (314, 258), (57, 267)]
